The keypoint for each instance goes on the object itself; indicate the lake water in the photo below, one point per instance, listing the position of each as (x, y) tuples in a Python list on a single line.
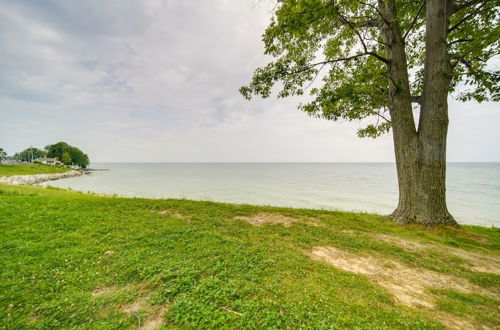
[(473, 188)]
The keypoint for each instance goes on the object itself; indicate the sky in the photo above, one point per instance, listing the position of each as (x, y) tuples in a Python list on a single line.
[(158, 80)]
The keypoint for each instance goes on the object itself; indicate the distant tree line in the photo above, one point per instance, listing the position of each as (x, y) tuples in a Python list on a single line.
[(67, 154), (62, 151)]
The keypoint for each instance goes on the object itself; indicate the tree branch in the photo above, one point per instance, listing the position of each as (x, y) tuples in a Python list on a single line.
[(461, 60), (315, 77), (323, 63), (369, 23), (388, 77), (285, 27), (377, 113), (465, 18), (350, 24), (468, 64), (370, 112), (415, 19), (457, 8), (376, 9), (459, 40), (342, 59)]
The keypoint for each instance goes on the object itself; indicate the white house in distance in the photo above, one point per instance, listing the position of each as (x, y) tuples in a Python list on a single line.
[(52, 161)]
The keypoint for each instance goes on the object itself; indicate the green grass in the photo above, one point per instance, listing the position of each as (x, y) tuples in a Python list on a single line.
[(57, 247), (483, 309), (29, 168)]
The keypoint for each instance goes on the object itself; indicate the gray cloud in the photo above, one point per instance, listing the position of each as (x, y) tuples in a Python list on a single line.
[(158, 81)]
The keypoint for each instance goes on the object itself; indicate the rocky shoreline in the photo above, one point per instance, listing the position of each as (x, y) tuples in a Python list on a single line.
[(38, 178)]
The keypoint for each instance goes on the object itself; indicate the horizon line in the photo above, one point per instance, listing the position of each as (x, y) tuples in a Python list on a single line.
[(274, 162)]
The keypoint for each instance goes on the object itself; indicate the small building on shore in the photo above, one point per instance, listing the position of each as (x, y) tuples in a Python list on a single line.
[(52, 161)]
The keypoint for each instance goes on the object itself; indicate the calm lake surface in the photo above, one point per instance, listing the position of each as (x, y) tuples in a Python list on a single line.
[(473, 188)]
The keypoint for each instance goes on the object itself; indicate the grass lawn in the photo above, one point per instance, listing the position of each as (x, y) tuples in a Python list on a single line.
[(29, 168), (72, 260)]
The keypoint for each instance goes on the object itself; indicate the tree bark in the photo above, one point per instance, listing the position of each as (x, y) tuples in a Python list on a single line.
[(433, 122), (420, 154)]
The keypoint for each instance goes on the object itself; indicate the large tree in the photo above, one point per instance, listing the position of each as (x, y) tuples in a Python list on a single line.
[(391, 63)]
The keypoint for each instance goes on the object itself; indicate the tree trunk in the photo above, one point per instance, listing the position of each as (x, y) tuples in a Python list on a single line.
[(420, 155), (433, 123)]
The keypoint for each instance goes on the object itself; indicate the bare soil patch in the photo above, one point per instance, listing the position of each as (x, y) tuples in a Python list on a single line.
[(477, 237), (263, 218), (402, 242), (172, 213), (155, 318), (485, 263), (155, 313), (408, 285), (104, 291), (32, 319), (348, 231), (478, 262), (136, 306), (451, 321)]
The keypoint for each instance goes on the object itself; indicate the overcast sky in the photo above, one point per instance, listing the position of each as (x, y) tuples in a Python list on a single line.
[(154, 80)]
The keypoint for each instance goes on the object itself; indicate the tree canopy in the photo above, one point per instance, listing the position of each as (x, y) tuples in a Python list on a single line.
[(76, 156), (341, 42), (3, 154), (27, 155), (66, 158)]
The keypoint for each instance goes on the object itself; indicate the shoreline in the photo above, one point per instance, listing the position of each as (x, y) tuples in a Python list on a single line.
[(242, 204), (45, 180), (38, 178)]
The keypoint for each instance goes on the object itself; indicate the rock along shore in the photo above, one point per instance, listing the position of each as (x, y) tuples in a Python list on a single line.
[(37, 178)]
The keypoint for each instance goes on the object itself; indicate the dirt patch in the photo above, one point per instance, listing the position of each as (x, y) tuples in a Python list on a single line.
[(478, 262), (172, 213), (402, 242), (454, 322), (136, 306), (141, 306), (408, 285), (105, 291), (155, 318), (32, 319), (315, 222), (347, 232), (484, 263), (478, 238), (263, 218)]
